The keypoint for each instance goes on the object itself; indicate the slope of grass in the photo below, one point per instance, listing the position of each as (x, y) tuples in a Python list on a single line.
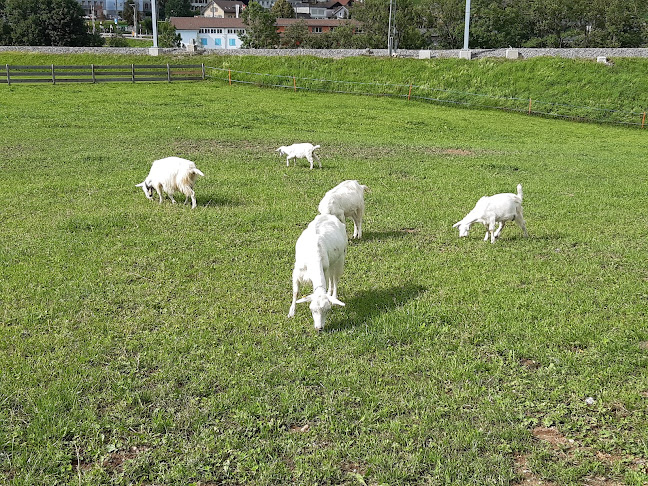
[(148, 344), (590, 89)]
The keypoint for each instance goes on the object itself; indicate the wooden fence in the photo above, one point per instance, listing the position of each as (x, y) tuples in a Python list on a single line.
[(101, 74)]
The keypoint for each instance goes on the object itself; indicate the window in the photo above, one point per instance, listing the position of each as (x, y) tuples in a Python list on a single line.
[(218, 42), (203, 41), (232, 42), (316, 30)]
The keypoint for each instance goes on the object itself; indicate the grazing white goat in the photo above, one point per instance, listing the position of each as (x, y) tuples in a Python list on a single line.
[(169, 175), (319, 259), (489, 210), (300, 151), (346, 200)]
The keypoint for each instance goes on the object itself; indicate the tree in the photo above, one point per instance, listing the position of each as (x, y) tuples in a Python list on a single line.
[(64, 24), (45, 23), (128, 13), (178, 8), (295, 35), (167, 36), (261, 31), (344, 36), (498, 24), (282, 10), (374, 17)]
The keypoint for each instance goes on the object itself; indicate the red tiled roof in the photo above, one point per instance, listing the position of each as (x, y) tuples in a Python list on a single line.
[(195, 23)]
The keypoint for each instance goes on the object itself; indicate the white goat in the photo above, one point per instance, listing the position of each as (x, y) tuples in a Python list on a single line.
[(489, 210), (346, 200), (319, 259), (171, 174), (300, 151)]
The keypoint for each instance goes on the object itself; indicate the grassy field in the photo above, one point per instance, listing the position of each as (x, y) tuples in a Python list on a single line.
[(148, 344)]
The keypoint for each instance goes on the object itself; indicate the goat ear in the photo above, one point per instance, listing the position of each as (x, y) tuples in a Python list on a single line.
[(456, 224), (308, 298), (335, 301), (141, 184)]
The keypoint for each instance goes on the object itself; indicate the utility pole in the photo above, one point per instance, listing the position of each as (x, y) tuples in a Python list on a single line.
[(465, 53), (135, 17), (467, 25), (154, 15), (92, 16), (390, 37)]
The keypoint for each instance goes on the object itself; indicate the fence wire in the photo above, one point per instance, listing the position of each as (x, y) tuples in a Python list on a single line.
[(427, 93)]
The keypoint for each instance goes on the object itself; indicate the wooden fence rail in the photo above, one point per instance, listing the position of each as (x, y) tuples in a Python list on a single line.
[(100, 74)]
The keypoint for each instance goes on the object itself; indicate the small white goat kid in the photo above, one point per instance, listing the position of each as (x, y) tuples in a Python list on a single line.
[(319, 259), (169, 175), (346, 200), (489, 210), (300, 151)]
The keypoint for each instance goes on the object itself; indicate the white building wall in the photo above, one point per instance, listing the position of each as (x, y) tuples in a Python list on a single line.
[(212, 40)]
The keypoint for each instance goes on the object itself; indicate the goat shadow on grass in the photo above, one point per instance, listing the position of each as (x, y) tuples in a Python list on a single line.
[(207, 201), (365, 306)]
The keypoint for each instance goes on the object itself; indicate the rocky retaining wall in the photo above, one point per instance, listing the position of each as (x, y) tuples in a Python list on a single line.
[(521, 53)]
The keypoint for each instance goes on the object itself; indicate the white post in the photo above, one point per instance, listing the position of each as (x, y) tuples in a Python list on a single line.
[(390, 39), (154, 14), (465, 52), (466, 25)]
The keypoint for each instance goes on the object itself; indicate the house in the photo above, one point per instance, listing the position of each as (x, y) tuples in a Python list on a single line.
[(338, 9), (315, 26), (223, 33), (224, 9), (210, 32), (113, 8)]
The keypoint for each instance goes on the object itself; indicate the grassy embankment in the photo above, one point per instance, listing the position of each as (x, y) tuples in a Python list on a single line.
[(149, 344)]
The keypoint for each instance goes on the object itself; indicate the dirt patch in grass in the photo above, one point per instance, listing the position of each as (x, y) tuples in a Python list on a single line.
[(296, 428), (552, 436), (530, 363), (528, 478), (568, 449)]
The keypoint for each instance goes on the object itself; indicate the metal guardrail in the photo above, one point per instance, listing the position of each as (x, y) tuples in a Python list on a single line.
[(100, 74)]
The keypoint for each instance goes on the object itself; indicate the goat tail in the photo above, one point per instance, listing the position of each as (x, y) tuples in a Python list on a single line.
[(365, 188), (519, 190), (316, 147), (198, 172)]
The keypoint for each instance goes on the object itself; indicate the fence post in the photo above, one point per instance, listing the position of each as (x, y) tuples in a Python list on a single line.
[(229, 75), (643, 118), (295, 83), (8, 76), (168, 73), (203, 71), (53, 75), (529, 106), (409, 95), (94, 80)]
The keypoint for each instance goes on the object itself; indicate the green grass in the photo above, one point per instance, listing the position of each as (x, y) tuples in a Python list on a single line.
[(148, 344), (576, 89)]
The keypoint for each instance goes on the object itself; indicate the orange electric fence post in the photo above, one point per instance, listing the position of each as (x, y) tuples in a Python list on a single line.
[(295, 83), (529, 106), (229, 76), (643, 119), (409, 95)]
